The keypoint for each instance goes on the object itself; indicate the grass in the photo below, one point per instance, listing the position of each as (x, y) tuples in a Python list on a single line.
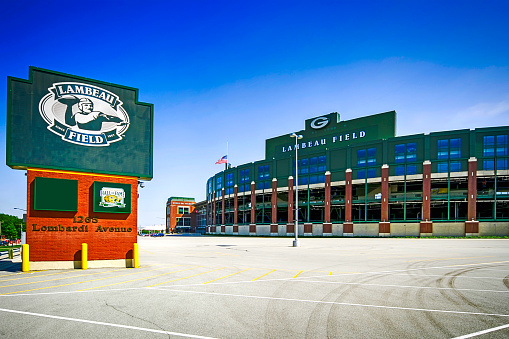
[(5, 248)]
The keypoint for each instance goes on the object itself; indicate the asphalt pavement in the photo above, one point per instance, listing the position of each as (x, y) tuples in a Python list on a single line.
[(252, 287)]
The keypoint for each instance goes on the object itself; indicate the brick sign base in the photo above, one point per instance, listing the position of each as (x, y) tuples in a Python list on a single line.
[(55, 237)]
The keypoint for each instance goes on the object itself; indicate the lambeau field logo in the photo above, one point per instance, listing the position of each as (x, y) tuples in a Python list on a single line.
[(112, 197), (84, 114)]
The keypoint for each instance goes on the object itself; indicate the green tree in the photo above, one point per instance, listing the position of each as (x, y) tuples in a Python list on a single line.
[(11, 226)]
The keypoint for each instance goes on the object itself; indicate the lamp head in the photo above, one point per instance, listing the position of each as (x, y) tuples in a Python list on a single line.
[(295, 135)]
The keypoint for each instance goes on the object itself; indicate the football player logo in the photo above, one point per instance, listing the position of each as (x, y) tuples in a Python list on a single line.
[(84, 114)]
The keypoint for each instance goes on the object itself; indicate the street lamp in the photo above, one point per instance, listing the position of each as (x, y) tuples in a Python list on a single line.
[(296, 241)]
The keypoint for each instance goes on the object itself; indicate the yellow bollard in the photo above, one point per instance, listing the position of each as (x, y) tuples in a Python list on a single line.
[(136, 262), (84, 256), (25, 257)]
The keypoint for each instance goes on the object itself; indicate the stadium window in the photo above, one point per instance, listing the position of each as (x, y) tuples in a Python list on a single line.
[(489, 165), (501, 145), (442, 167), (455, 166), (501, 164), (361, 174), (399, 153), (361, 157), (495, 146), (399, 170), (449, 149), (371, 172), (371, 156)]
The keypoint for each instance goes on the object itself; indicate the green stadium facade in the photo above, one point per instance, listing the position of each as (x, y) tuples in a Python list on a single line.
[(357, 178)]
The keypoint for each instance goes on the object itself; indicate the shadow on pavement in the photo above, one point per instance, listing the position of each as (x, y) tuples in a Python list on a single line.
[(9, 266)]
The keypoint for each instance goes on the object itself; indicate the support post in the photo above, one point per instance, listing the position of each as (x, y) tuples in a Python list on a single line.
[(348, 224), (84, 256), (136, 261), (384, 227), (25, 257), (426, 225), (472, 225)]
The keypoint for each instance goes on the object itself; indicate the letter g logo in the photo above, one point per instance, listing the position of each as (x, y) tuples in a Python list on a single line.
[(319, 122)]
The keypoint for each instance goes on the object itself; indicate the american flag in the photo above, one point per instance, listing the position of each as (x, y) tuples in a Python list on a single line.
[(223, 160)]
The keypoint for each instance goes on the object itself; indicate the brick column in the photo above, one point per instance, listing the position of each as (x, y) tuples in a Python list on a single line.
[(273, 202), (472, 225), (384, 227), (222, 207), (214, 208), (235, 209), (348, 224), (327, 225), (207, 215), (290, 226), (253, 202), (426, 227)]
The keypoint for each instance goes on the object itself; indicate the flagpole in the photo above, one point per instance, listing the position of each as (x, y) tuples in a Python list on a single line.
[(227, 160)]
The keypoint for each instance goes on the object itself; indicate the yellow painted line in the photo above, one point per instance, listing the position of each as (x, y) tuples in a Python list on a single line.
[(75, 283), (263, 275), (486, 256), (298, 274), (143, 278), (73, 276), (148, 252), (330, 273), (31, 276), (226, 276), (194, 275), (77, 276)]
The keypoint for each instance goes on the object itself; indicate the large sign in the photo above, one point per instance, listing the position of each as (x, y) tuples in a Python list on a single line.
[(328, 132), (62, 121)]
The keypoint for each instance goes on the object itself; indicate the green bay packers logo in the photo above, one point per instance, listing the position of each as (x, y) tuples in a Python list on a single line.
[(112, 197), (84, 114)]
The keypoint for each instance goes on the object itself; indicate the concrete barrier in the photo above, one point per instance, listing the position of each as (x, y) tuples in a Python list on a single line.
[(405, 229)]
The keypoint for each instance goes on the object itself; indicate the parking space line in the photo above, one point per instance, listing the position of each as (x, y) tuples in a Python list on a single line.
[(298, 274), (70, 277), (105, 324), (81, 282), (127, 281), (263, 275), (463, 258), (194, 275), (28, 275), (226, 276), (334, 303), (471, 335)]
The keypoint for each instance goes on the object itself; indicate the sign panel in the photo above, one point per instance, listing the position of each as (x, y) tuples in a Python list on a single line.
[(62, 121), (112, 197), (328, 132)]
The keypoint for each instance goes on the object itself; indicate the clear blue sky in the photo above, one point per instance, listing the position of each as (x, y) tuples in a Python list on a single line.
[(242, 72)]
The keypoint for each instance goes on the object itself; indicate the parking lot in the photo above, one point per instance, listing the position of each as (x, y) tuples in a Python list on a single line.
[(241, 287)]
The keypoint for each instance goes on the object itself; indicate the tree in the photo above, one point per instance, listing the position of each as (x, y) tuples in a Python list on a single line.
[(11, 226)]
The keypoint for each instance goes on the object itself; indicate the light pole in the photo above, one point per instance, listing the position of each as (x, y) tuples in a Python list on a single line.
[(296, 241)]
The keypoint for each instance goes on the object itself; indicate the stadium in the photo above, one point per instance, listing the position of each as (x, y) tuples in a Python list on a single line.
[(357, 178)]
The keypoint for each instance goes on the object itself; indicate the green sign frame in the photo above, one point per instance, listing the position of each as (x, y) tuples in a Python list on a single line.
[(52, 194), (110, 197), (67, 122)]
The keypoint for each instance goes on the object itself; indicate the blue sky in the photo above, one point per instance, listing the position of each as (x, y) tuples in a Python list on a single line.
[(242, 72)]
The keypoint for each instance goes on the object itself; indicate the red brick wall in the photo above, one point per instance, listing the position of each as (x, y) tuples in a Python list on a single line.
[(175, 204), (66, 245)]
